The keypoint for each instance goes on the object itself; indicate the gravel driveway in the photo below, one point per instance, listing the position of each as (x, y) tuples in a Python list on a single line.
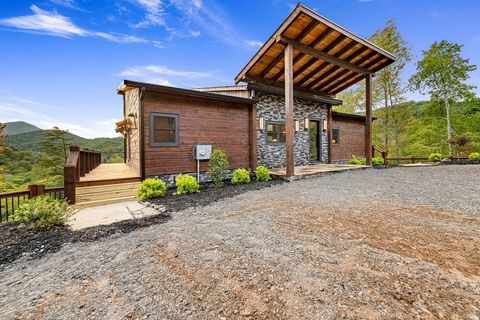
[(396, 243)]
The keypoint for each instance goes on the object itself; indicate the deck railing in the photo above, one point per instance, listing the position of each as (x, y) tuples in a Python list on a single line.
[(10, 201), (412, 159), (79, 163)]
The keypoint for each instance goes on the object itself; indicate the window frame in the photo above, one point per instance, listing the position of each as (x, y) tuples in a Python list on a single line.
[(266, 131), (338, 136), (152, 129)]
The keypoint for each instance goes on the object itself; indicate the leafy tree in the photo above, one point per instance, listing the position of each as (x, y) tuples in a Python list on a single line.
[(442, 73), (387, 82)]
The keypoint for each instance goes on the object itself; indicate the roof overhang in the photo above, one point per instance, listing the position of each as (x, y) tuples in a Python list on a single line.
[(327, 57), (127, 85)]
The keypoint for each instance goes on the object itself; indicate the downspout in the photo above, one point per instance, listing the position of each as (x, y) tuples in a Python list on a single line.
[(142, 134)]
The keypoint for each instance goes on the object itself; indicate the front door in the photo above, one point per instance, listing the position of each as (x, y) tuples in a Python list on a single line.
[(314, 140)]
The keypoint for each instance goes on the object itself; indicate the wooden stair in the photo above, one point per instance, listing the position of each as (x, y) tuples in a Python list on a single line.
[(92, 196)]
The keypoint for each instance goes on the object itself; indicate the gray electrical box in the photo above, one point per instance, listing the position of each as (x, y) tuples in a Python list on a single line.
[(202, 151)]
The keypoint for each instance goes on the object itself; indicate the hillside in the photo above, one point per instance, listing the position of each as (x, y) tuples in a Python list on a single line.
[(19, 127), (422, 127), (30, 141)]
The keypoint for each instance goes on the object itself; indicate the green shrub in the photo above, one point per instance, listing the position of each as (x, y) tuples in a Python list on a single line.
[(354, 161), (377, 161), (435, 157), (218, 167), (474, 156), (151, 188), (186, 184), (43, 212), (262, 174), (240, 176)]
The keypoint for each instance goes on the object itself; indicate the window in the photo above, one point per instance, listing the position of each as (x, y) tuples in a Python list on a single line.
[(335, 136), (275, 132), (163, 129)]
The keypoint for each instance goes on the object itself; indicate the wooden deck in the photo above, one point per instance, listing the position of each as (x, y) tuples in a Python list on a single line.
[(316, 170), (110, 173)]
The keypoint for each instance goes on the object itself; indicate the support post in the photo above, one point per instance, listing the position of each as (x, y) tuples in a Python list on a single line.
[(289, 123), (330, 133), (32, 191), (69, 181), (253, 137), (368, 119)]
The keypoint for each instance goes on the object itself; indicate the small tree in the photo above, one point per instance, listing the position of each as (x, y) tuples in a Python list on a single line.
[(218, 167), (442, 73), (460, 143), (55, 146)]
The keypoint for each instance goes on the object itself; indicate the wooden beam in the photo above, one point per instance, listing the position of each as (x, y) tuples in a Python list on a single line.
[(289, 123), (347, 84), (334, 43), (253, 137), (368, 119), (321, 55), (312, 73), (330, 133), (319, 39), (272, 64), (333, 80), (323, 77)]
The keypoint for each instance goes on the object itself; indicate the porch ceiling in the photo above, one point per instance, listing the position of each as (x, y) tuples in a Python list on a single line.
[(327, 58)]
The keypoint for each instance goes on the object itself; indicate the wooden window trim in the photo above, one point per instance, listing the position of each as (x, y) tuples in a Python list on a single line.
[(337, 143), (266, 131), (152, 128)]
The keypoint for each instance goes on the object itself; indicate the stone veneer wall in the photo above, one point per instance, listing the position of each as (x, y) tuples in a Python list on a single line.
[(272, 108), (132, 106)]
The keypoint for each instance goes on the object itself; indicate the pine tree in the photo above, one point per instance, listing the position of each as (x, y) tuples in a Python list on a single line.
[(55, 146)]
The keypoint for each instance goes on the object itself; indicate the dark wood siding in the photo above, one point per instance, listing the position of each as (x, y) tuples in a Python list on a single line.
[(352, 139), (224, 125)]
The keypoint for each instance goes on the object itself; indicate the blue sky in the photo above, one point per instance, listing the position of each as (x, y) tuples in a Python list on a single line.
[(63, 59)]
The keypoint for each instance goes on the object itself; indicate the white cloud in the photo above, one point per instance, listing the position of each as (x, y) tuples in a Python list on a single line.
[(253, 43), (52, 23), (13, 108), (68, 4), (166, 76), (155, 13)]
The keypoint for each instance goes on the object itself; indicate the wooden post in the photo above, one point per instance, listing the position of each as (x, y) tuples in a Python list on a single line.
[(69, 181), (289, 123), (253, 137), (384, 156), (368, 119), (414, 160), (32, 191), (330, 133)]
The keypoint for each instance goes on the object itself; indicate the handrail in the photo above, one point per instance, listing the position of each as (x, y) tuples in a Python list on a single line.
[(79, 163)]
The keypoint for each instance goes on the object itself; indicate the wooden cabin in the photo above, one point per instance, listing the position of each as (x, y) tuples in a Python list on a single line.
[(281, 117)]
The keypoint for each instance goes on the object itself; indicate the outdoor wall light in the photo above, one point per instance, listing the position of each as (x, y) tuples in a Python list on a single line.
[(297, 125), (306, 123), (325, 125), (261, 123), (134, 121)]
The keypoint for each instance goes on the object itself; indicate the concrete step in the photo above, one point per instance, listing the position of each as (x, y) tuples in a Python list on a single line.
[(101, 202)]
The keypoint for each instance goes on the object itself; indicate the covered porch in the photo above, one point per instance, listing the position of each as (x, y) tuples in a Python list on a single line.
[(311, 54)]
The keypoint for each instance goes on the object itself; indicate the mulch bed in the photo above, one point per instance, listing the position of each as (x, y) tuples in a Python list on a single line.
[(17, 241)]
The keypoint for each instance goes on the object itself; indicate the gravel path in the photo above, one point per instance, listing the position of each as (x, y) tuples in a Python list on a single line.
[(396, 243)]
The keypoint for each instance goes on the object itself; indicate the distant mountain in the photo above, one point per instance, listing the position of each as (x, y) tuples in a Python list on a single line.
[(18, 127), (30, 140)]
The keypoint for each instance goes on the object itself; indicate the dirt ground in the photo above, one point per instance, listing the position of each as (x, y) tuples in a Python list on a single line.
[(400, 243)]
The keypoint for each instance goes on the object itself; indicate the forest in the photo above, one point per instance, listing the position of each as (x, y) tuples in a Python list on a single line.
[(31, 155)]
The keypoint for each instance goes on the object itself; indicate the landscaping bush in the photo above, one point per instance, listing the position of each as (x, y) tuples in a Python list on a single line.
[(474, 156), (43, 212), (186, 184), (218, 167), (435, 157), (151, 188), (377, 161), (355, 161), (240, 176), (262, 174)]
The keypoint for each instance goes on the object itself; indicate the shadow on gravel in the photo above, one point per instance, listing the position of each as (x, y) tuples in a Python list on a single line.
[(17, 241)]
